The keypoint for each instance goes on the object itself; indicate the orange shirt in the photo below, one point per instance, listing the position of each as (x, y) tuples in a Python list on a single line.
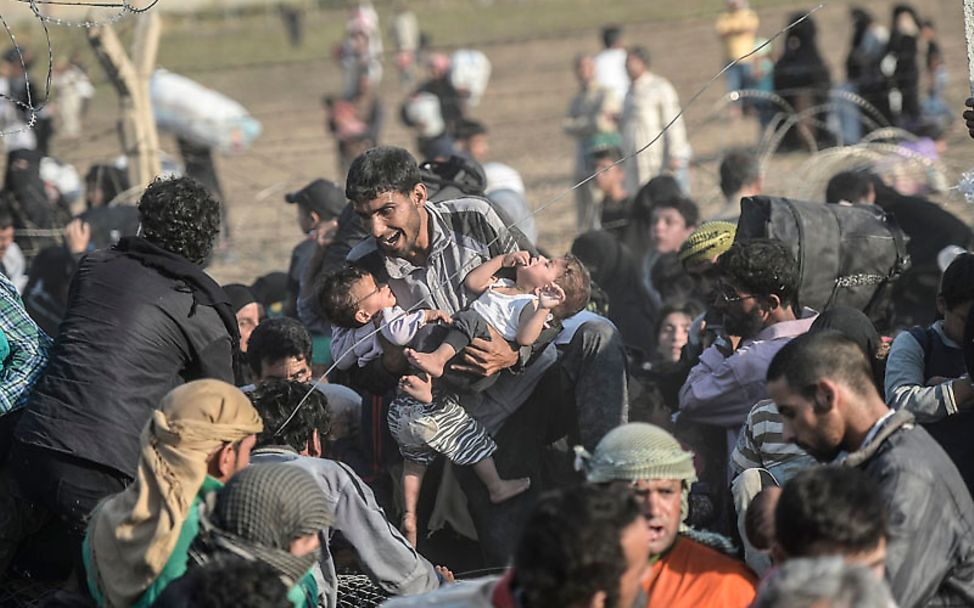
[(692, 575)]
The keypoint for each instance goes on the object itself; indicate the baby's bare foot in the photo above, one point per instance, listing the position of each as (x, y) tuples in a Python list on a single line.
[(420, 389), (431, 363), (508, 488)]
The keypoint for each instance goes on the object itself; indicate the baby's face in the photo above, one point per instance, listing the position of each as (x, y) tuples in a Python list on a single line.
[(372, 298), (540, 272)]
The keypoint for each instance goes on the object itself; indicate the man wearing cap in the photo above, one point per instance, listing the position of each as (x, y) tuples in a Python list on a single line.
[(684, 571), (320, 203)]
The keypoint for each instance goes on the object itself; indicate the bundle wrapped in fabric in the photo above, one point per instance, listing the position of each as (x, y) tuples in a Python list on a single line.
[(848, 255), (203, 116)]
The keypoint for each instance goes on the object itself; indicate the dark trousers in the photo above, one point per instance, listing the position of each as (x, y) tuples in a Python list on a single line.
[(581, 398), (67, 489)]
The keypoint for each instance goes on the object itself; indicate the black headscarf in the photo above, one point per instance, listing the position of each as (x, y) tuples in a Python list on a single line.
[(616, 272), (856, 326)]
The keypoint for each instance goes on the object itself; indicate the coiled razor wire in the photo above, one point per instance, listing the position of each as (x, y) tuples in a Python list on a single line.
[(558, 197)]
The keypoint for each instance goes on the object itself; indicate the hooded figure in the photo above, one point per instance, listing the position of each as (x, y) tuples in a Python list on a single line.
[(855, 325), (132, 536), (260, 515), (616, 272), (26, 196), (685, 571), (802, 79)]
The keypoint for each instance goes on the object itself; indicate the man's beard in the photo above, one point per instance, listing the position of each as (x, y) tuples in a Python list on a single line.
[(744, 327)]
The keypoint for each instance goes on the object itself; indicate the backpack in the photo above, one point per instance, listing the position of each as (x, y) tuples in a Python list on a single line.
[(847, 255)]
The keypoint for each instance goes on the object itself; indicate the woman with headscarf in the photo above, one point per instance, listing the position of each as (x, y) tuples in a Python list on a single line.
[(137, 541), (270, 513), (616, 272), (855, 325), (802, 79), (905, 81)]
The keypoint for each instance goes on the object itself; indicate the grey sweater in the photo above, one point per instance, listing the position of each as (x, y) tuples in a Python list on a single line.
[(388, 559)]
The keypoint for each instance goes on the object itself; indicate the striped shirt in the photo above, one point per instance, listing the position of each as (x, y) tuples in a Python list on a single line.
[(761, 445), (28, 350)]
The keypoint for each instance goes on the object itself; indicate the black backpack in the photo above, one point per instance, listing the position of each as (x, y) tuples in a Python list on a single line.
[(847, 255)]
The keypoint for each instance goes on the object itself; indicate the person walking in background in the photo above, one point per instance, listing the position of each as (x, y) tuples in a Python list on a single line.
[(738, 28)]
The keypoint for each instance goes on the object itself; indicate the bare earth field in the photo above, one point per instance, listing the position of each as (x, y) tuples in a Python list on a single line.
[(530, 43)]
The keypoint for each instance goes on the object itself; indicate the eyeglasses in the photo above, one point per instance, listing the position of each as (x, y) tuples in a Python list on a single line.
[(728, 295)]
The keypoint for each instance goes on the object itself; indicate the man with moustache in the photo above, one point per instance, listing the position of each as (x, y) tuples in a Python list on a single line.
[(821, 383), (757, 289)]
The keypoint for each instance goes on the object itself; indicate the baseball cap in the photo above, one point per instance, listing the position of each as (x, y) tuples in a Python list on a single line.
[(322, 196)]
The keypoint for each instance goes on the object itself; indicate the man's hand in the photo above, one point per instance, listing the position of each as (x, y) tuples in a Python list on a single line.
[(487, 357), (518, 258), (77, 235), (438, 316), (969, 116)]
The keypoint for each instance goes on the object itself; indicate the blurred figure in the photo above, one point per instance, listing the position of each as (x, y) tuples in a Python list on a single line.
[(404, 30), (17, 62), (610, 63), (361, 51), (12, 263), (650, 104), (802, 79), (864, 75), (355, 121), (592, 119), (110, 219), (615, 203), (737, 27), (903, 52), (740, 177), (72, 92)]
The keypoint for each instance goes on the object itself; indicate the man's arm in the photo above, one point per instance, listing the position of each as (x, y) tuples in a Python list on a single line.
[(28, 349), (715, 393), (386, 556), (905, 386)]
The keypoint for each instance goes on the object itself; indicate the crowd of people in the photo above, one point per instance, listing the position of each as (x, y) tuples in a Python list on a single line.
[(684, 409)]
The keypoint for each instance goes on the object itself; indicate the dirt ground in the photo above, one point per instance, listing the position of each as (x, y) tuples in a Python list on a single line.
[(530, 88)]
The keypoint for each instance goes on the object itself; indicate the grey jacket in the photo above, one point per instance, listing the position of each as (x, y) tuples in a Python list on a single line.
[(930, 553), (388, 559)]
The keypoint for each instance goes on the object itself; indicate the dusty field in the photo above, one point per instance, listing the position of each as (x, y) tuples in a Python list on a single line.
[(529, 91)]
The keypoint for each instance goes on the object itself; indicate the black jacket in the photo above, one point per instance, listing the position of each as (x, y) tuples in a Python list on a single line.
[(131, 334), (930, 553)]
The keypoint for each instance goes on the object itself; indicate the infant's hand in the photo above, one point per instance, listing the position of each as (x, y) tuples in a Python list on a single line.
[(437, 316), (518, 258), (550, 295)]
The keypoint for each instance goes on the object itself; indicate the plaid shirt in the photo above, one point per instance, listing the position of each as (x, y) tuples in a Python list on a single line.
[(28, 350)]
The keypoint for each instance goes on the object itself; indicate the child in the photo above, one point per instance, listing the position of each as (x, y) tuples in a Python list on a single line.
[(517, 309), (424, 426)]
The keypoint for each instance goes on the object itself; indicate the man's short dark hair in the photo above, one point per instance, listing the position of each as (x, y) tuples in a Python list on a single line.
[(641, 53), (660, 188), (612, 153), (335, 296), (611, 34), (849, 186), (379, 170), (571, 546), (276, 399), (829, 510), (761, 267), (957, 284), (684, 206), (180, 215), (737, 169), (227, 583), (809, 358), (277, 339)]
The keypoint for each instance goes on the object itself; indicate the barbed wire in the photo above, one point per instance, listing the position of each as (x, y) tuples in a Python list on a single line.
[(551, 201)]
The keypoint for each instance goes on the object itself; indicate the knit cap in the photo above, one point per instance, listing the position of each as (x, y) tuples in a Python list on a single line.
[(637, 451), (709, 240)]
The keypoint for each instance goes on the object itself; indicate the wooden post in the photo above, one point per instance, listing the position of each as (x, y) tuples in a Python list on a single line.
[(140, 140)]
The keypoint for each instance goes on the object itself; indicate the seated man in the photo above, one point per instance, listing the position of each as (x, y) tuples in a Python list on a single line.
[(831, 511), (823, 386), (684, 572), (757, 291), (384, 554), (137, 541), (926, 374), (272, 513), (423, 251), (587, 546), (143, 318)]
